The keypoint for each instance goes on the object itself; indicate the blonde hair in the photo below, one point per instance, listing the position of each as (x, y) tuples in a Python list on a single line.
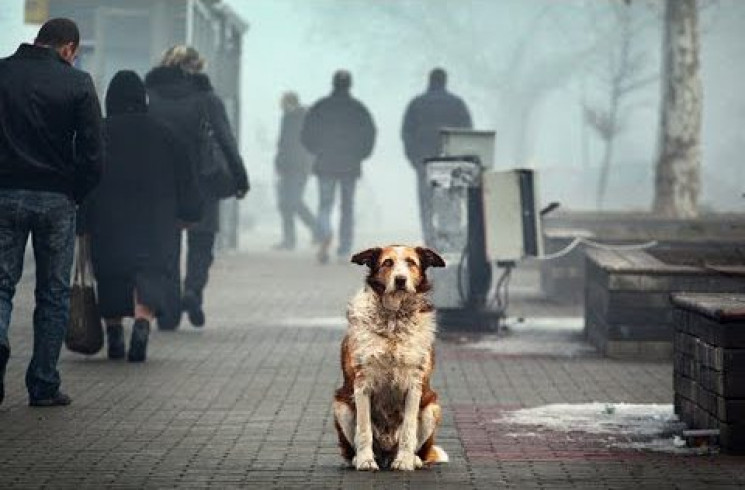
[(184, 57)]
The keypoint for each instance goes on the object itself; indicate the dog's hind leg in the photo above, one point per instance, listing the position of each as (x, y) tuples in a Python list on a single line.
[(344, 421), (429, 419)]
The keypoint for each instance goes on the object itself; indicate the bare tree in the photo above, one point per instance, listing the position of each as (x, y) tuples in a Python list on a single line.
[(625, 75), (677, 180)]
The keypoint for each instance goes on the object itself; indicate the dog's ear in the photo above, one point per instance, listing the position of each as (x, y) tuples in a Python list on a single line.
[(367, 257), (429, 258)]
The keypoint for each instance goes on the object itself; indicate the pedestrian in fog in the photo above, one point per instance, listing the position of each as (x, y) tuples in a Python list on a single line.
[(134, 216), (340, 133), (51, 153), (425, 115), (182, 96), (292, 164)]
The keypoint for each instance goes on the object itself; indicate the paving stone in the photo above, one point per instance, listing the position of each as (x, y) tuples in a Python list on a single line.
[(245, 402)]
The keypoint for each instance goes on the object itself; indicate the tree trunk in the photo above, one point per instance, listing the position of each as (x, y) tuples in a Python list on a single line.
[(677, 180)]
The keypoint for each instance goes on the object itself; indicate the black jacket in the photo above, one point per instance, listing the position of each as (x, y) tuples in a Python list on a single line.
[(50, 124), (181, 101), (425, 116), (292, 157), (340, 133)]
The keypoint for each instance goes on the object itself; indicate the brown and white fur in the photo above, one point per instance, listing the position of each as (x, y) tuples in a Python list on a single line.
[(385, 413)]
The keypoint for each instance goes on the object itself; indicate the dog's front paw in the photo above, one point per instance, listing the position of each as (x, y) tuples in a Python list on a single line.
[(365, 463), (406, 462)]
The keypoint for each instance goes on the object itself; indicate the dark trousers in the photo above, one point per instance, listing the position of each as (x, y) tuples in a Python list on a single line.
[(326, 195), (290, 190), (199, 258), (50, 220)]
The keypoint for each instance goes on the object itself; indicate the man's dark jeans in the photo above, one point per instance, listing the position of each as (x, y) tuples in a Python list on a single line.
[(326, 193), (50, 220)]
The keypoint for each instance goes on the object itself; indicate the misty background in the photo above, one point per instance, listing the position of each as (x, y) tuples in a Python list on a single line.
[(539, 72)]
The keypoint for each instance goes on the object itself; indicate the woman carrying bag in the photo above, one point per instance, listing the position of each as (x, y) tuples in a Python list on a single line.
[(135, 216)]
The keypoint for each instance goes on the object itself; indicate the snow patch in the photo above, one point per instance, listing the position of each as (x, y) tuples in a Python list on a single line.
[(599, 418), (642, 427)]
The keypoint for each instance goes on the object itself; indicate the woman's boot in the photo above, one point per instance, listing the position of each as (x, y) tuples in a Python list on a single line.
[(115, 338), (138, 343)]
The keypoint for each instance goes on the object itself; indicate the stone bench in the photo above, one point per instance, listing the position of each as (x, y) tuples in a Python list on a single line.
[(709, 364), (627, 295)]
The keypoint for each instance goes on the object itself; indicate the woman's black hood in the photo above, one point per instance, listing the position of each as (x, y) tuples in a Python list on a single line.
[(126, 94)]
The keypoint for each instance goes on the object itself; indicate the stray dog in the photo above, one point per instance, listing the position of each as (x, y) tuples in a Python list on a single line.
[(386, 413)]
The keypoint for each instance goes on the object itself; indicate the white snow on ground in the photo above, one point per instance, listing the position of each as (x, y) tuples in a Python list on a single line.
[(598, 418), (539, 336), (646, 427)]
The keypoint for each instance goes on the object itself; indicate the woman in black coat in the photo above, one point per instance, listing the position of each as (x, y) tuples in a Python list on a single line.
[(134, 217), (181, 96)]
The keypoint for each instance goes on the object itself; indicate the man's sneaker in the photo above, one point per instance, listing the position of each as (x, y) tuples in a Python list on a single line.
[(58, 400), (138, 342), (191, 305), (4, 356), (115, 338)]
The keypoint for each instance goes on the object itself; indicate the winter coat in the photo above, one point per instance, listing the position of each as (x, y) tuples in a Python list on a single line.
[(292, 157), (425, 116), (339, 131), (182, 101), (134, 216), (50, 124)]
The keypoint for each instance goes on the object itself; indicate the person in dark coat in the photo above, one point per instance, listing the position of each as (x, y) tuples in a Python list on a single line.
[(339, 131), (292, 164), (425, 115), (182, 97), (134, 216), (51, 155)]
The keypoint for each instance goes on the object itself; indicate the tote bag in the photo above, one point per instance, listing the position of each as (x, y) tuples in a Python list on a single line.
[(85, 330)]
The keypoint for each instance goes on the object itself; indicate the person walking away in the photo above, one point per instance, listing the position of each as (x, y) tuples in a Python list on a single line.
[(339, 131), (425, 115), (134, 216), (178, 79), (292, 165), (51, 156)]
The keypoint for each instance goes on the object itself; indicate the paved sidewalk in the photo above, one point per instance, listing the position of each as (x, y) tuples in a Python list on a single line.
[(245, 401)]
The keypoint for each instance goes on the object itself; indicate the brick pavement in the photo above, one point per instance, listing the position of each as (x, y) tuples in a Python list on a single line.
[(245, 402)]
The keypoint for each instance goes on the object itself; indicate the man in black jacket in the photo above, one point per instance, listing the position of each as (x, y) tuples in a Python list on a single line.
[(340, 133), (50, 158), (425, 116)]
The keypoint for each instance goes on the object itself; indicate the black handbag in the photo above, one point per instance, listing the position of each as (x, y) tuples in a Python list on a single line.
[(84, 330), (215, 177)]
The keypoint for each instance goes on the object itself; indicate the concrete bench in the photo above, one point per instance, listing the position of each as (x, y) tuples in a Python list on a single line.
[(627, 295)]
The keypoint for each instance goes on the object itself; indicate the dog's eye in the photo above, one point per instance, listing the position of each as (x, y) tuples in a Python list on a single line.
[(387, 263), (411, 262)]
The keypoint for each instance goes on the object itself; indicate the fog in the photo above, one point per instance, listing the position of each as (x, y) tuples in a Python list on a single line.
[(530, 69)]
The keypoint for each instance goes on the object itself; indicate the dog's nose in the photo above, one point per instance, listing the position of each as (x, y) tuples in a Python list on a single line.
[(400, 282)]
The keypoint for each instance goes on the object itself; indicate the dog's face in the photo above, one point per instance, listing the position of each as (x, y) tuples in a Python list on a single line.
[(398, 268)]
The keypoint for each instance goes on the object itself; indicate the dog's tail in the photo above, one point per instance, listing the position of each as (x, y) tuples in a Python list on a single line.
[(437, 455)]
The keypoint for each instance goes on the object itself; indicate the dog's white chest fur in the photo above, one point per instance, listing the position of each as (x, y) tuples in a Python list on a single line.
[(392, 348)]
